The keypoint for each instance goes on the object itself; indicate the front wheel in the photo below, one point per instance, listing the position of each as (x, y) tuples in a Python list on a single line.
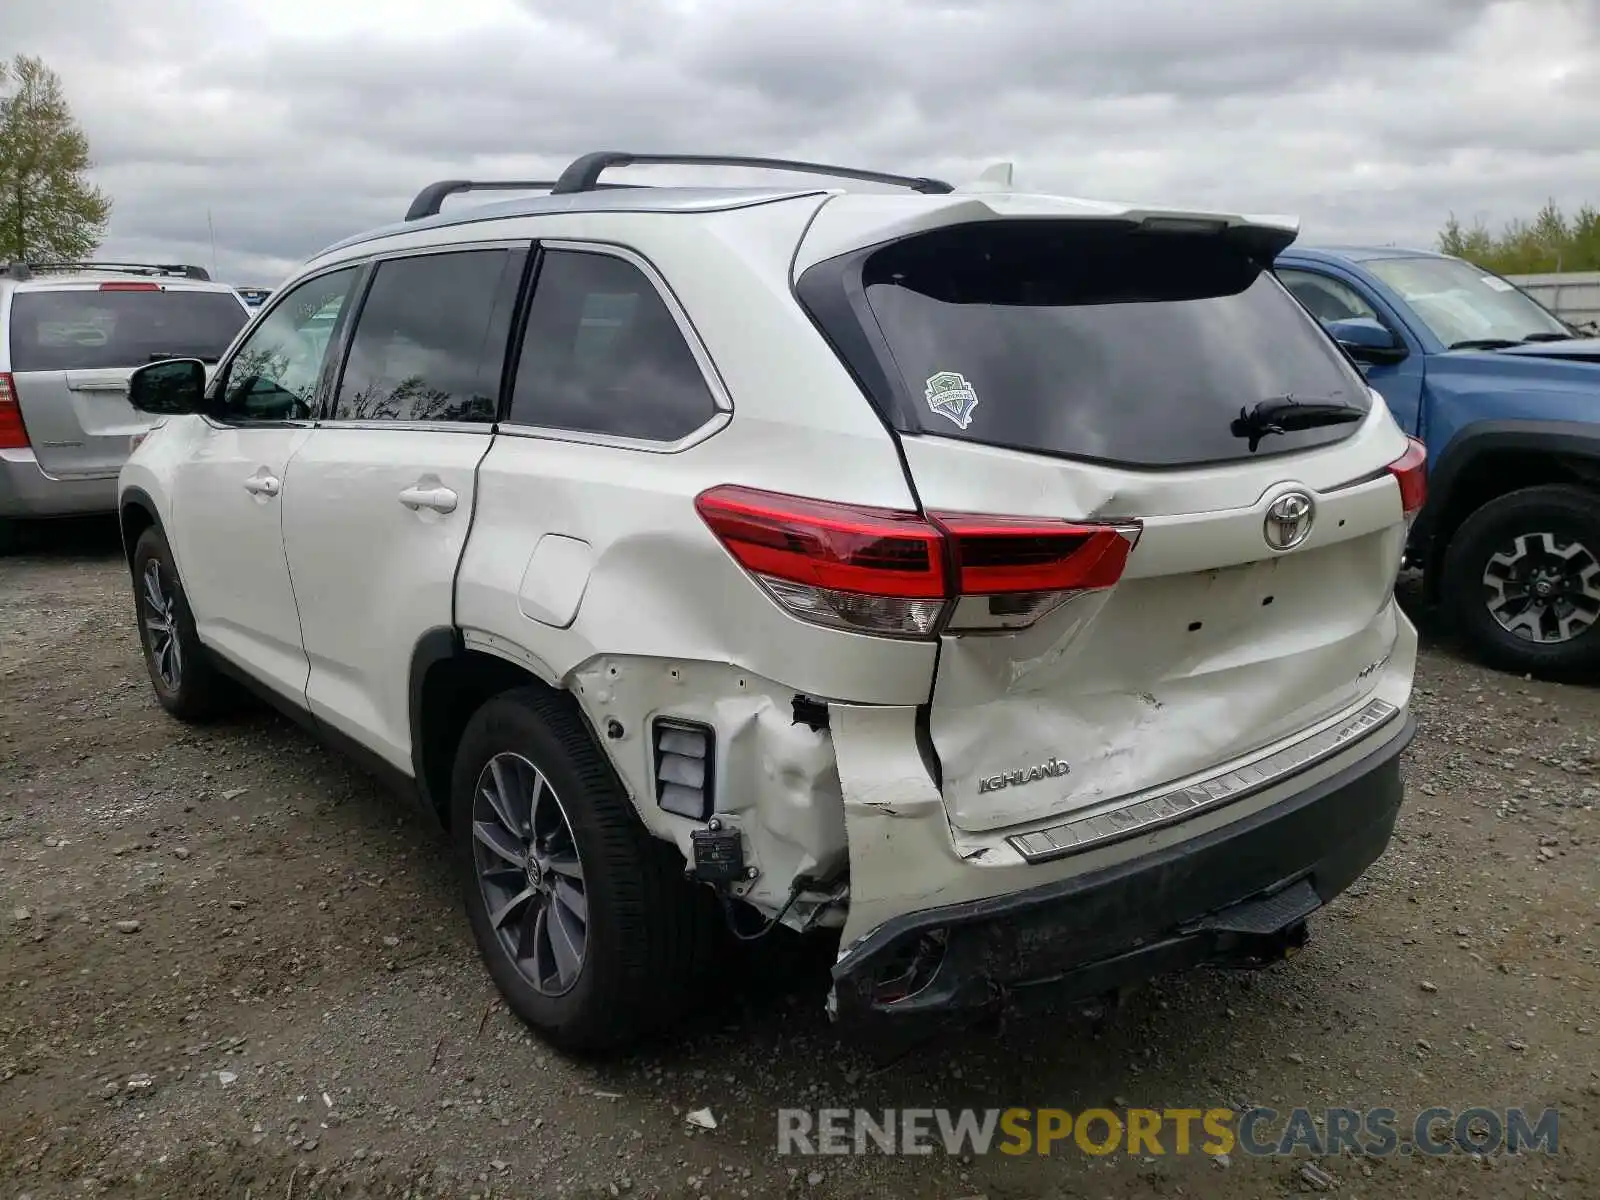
[(1522, 581), (186, 682), (585, 922)]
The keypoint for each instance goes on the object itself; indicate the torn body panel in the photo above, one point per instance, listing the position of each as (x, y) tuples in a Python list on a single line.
[(775, 779)]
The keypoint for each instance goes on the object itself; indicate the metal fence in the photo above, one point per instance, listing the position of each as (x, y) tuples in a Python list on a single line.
[(1574, 296)]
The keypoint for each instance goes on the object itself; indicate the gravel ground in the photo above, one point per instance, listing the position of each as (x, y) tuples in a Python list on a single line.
[(231, 966)]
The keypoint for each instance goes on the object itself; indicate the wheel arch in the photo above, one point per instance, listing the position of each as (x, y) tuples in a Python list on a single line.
[(136, 512), (1492, 459), (451, 677)]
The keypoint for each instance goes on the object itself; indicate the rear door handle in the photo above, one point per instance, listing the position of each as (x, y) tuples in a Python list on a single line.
[(440, 499), (262, 485)]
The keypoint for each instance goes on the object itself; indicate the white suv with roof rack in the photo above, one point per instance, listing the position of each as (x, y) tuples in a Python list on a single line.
[(70, 335), (999, 583)]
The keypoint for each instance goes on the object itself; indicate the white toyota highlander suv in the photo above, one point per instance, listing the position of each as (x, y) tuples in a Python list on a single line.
[(999, 582)]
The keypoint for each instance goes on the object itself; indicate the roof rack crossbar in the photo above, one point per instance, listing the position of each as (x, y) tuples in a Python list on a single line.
[(583, 175), (431, 198), (26, 270)]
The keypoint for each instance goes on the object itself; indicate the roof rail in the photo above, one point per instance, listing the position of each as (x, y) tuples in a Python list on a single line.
[(583, 175), (431, 198), (27, 270)]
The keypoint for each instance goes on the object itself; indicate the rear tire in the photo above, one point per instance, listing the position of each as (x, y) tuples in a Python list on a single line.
[(624, 940), (1521, 582), (186, 682)]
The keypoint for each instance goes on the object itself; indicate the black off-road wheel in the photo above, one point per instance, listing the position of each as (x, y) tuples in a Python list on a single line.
[(186, 681), (1521, 582), (585, 922)]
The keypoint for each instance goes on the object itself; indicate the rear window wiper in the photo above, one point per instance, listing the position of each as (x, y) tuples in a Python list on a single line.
[(1284, 414)]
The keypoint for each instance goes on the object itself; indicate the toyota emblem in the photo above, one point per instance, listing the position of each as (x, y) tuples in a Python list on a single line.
[(1288, 521)]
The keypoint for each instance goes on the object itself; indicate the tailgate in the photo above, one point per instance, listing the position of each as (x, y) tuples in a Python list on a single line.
[(1052, 376), (79, 422), (74, 346), (1210, 646)]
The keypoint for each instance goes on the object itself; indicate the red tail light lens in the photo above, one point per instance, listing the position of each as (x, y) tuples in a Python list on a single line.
[(13, 434), (896, 573), (130, 287), (1410, 471)]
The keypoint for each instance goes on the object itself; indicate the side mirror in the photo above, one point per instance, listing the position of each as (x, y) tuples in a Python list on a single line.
[(169, 388), (1367, 341)]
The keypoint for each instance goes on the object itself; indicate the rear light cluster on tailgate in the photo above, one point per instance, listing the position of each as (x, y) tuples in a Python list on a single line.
[(1410, 471), (905, 574), (13, 435)]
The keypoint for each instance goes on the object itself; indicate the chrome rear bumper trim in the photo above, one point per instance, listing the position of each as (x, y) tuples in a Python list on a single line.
[(1094, 829)]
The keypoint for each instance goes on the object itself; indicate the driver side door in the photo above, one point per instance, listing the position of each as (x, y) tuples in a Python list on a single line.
[(227, 492)]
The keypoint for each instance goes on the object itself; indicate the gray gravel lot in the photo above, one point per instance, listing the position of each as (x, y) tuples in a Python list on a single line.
[(231, 966)]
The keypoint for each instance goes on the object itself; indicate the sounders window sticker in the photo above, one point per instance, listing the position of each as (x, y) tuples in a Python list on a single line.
[(951, 396)]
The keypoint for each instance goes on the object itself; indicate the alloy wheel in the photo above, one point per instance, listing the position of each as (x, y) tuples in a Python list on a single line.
[(530, 873), (1543, 588), (161, 625)]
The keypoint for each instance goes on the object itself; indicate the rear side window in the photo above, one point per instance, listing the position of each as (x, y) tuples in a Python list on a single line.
[(603, 354), (1096, 342), (430, 339), (85, 330)]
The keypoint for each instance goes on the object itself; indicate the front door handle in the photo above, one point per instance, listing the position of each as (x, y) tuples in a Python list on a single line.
[(440, 499), (262, 485)]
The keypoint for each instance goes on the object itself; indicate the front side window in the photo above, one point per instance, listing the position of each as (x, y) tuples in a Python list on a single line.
[(119, 325), (273, 377), (1465, 306), (603, 354), (427, 344)]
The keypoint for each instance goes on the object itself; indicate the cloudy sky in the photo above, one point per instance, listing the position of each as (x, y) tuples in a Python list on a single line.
[(296, 122)]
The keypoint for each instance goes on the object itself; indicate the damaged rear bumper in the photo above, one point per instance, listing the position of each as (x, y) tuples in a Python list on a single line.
[(1233, 893)]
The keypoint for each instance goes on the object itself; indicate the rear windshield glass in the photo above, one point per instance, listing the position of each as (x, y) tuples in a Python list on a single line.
[(1100, 343), (87, 330)]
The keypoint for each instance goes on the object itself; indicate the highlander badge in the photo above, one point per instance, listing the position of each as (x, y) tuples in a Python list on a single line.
[(1053, 768)]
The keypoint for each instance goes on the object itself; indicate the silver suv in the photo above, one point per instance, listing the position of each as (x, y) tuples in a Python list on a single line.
[(70, 335), (1002, 584)]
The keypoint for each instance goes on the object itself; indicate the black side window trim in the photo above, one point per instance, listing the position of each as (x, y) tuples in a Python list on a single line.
[(333, 353)]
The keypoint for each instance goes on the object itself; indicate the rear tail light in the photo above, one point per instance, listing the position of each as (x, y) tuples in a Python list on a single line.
[(1410, 471), (13, 434), (899, 574), (130, 287)]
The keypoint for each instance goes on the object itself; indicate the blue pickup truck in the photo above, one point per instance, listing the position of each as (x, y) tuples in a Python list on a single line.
[(1507, 399)]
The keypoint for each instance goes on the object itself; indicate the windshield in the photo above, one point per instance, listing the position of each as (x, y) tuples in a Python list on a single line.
[(83, 330), (1459, 302)]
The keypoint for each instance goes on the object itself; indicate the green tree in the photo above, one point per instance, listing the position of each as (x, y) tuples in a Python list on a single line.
[(49, 211), (1552, 241)]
